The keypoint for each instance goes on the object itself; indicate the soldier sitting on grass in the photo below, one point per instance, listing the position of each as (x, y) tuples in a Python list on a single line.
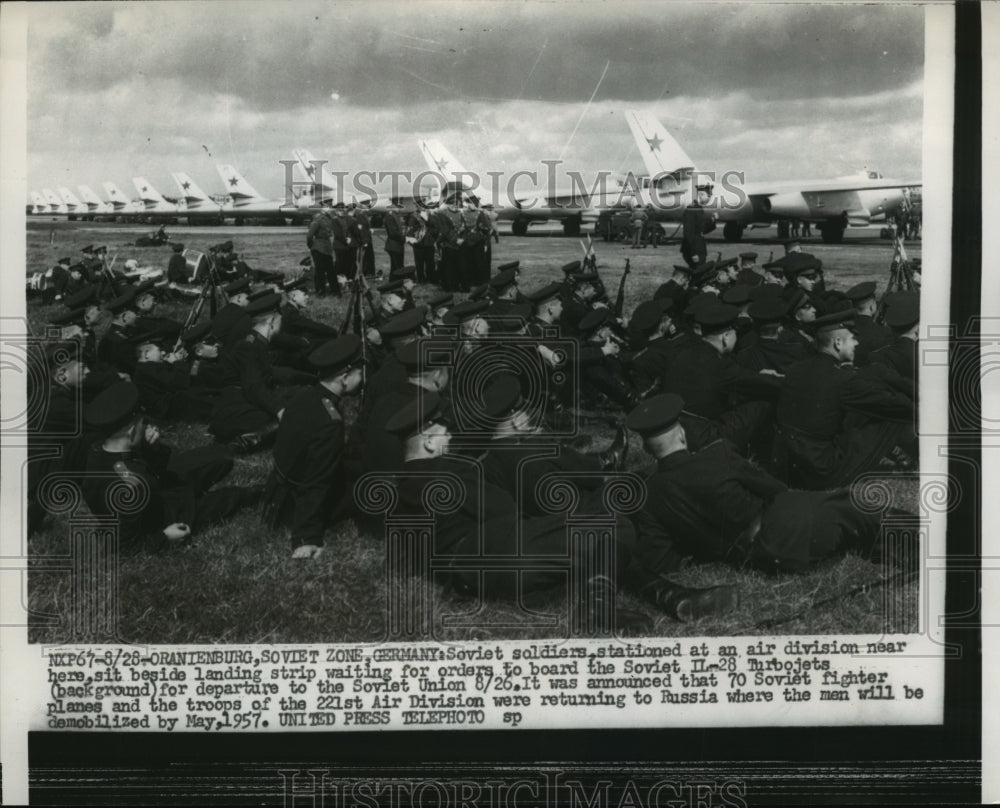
[(715, 506), (170, 489)]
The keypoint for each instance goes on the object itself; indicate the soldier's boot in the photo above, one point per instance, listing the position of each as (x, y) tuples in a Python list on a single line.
[(613, 458), (599, 614), (252, 441), (686, 603)]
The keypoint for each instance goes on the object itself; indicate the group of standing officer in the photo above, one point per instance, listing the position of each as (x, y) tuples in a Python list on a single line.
[(452, 244)]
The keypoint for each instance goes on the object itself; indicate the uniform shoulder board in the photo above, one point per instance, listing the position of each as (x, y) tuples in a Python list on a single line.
[(331, 410)]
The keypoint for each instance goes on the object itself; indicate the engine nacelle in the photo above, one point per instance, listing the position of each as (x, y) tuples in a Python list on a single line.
[(786, 206)]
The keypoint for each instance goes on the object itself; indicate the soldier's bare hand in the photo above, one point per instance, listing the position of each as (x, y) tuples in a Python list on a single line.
[(152, 434)]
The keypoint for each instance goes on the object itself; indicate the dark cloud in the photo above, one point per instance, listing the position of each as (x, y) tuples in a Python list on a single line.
[(282, 56)]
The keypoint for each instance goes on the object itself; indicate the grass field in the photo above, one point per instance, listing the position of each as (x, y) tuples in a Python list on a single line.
[(237, 584)]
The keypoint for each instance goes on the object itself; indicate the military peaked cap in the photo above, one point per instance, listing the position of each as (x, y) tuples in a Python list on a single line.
[(442, 300), (902, 310), (126, 300), (861, 291), (503, 396), (264, 304), (113, 407), (545, 293), (406, 322), (655, 415), (337, 354), (503, 279), (834, 321), (391, 286), (68, 317), (647, 315), (737, 294), (716, 317), (416, 415), (593, 320), (463, 312), (237, 286), (768, 309), (197, 333)]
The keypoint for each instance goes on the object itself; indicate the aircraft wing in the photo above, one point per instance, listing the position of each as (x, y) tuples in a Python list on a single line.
[(851, 200)]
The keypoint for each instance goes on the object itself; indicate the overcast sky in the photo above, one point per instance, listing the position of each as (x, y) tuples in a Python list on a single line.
[(780, 91)]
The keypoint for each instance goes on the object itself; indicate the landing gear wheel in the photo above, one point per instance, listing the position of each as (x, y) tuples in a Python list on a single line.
[(519, 227), (832, 232), (571, 227)]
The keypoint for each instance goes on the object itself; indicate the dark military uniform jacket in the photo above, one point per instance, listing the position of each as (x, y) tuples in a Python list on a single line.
[(308, 466), (900, 356), (837, 421), (231, 323), (775, 354), (117, 348), (170, 390), (320, 235), (708, 380), (519, 468), (484, 505), (696, 223), (142, 468), (342, 237), (361, 229), (871, 337), (247, 366), (177, 271), (178, 489), (159, 326), (382, 450), (818, 392), (700, 504), (294, 322), (449, 226), (648, 366), (425, 231), (675, 292), (395, 239)]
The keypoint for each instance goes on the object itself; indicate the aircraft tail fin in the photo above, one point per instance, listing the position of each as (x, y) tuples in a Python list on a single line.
[(190, 191), (236, 184), (439, 159), (147, 193), (54, 201), (118, 200), (72, 203), (661, 153), (92, 200)]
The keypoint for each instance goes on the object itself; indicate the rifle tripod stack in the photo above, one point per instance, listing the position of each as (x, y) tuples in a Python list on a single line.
[(900, 275), (108, 280), (355, 316), (900, 270), (211, 290)]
